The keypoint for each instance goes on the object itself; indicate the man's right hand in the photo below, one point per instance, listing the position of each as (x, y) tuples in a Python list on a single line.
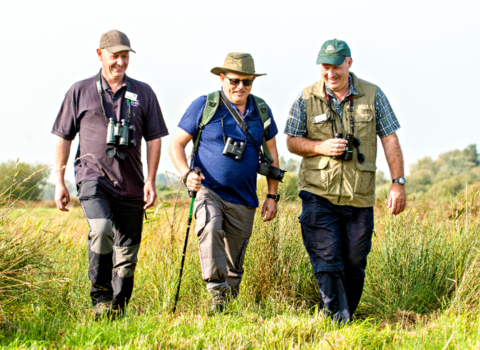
[(194, 181), (62, 197), (332, 147)]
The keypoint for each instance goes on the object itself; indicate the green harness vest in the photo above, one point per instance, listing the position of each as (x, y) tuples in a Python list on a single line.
[(342, 182), (211, 106)]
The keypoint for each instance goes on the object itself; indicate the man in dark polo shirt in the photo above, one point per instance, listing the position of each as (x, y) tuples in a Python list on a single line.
[(110, 107)]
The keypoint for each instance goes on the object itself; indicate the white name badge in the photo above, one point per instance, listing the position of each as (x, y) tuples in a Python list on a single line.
[(320, 118), (131, 96), (267, 123)]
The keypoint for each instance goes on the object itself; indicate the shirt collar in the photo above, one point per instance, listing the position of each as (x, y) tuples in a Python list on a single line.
[(351, 88), (107, 87), (248, 107)]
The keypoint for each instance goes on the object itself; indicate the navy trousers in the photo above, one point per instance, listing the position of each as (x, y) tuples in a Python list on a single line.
[(338, 240), (113, 241)]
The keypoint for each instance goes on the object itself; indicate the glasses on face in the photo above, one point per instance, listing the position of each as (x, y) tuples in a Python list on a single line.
[(235, 82)]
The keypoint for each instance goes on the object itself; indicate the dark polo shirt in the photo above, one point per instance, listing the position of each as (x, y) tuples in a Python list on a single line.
[(81, 112)]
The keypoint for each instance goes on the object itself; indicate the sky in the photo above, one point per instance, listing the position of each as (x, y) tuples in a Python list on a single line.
[(423, 55)]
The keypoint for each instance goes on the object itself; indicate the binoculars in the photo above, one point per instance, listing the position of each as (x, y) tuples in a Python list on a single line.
[(234, 149), (351, 142), (270, 171), (119, 134)]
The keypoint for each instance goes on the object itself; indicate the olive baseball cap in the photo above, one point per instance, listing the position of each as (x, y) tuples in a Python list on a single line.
[(115, 41), (333, 52), (237, 62)]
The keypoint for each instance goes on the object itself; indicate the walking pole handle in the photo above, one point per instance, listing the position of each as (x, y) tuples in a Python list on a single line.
[(197, 171)]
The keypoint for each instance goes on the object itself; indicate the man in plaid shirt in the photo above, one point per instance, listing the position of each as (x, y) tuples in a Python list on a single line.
[(337, 177)]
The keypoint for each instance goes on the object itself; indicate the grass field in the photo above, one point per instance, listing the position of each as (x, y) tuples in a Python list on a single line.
[(422, 289)]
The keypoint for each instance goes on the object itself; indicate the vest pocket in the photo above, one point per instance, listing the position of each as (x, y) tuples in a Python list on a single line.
[(316, 173), (363, 123), (365, 178)]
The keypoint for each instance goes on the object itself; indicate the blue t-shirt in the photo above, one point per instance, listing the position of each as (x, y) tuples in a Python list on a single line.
[(234, 181)]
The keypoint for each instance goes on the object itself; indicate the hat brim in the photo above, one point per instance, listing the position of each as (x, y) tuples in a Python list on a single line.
[(118, 48), (331, 59), (218, 70)]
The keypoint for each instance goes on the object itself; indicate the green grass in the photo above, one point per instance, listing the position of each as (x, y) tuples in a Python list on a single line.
[(422, 288)]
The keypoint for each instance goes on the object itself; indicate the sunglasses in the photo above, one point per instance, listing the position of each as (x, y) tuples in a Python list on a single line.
[(235, 82)]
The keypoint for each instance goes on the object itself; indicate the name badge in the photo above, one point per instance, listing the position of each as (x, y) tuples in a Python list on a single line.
[(131, 96), (320, 118), (267, 123)]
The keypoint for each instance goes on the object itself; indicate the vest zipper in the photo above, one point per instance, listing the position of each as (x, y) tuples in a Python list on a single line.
[(341, 185)]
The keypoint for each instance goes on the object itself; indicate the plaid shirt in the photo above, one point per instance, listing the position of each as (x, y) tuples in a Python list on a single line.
[(386, 120)]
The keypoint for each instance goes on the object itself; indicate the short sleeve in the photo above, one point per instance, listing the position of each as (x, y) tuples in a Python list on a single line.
[(65, 125), (154, 122), (386, 120), (191, 117), (272, 128), (297, 118)]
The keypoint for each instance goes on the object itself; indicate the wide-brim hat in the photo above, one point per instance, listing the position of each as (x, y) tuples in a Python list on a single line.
[(239, 63), (115, 41)]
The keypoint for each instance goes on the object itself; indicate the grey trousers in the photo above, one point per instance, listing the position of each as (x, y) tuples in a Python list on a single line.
[(113, 241), (223, 230)]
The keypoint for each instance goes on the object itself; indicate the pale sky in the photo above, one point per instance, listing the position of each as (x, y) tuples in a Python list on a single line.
[(423, 54)]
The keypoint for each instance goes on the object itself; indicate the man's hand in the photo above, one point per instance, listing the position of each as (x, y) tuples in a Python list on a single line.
[(194, 181), (332, 147), (269, 208), (397, 199), (62, 197), (149, 194)]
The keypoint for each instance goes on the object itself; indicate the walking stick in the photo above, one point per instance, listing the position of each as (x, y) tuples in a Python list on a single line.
[(192, 196)]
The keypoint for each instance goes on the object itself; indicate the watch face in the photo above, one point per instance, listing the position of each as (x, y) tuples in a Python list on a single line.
[(402, 181)]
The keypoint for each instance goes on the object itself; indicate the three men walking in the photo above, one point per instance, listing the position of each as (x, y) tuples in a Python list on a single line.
[(333, 124)]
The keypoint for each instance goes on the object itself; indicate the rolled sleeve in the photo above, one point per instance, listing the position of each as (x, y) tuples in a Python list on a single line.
[(386, 120), (297, 118)]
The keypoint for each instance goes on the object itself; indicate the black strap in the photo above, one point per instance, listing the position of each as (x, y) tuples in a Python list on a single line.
[(240, 122), (100, 90)]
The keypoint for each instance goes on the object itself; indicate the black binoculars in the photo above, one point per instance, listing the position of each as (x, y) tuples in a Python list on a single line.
[(234, 149), (351, 143), (270, 171), (119, 134)]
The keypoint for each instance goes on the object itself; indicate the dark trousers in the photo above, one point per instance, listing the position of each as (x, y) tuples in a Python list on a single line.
[(338, 240), (113, 241)]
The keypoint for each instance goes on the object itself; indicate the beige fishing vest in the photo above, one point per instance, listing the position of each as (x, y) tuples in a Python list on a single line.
[(342, 182)]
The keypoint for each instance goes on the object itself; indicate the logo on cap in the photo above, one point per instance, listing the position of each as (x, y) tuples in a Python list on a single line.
[(330, 49)]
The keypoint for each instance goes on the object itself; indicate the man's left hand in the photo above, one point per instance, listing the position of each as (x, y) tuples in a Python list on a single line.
[(269, 209), (397, 199), (149, 194)]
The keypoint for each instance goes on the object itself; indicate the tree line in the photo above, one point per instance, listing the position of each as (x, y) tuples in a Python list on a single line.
[(428, 178)]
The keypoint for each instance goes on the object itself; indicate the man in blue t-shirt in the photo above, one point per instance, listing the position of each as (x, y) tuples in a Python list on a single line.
[(226, 200)]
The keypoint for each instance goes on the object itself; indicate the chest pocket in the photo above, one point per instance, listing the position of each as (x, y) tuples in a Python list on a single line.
[(322, 130), (365, 123)]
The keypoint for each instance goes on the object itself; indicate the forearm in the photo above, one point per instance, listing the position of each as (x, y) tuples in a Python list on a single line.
[(393, 153), (154, 148), (62, 152), (272, 149), (178, 157), (303, 147)]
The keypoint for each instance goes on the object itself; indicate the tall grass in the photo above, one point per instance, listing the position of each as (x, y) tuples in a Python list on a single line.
[(425, 261)]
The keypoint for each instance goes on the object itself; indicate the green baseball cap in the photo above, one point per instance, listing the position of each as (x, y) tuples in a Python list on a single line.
[(333, 52), (115, 41)]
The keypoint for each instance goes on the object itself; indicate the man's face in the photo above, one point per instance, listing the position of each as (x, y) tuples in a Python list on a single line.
[(336, 77), (237, 94), (114, 65)]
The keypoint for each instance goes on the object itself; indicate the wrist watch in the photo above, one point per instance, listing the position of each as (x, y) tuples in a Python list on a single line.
[(275, 197), (400, 180)]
